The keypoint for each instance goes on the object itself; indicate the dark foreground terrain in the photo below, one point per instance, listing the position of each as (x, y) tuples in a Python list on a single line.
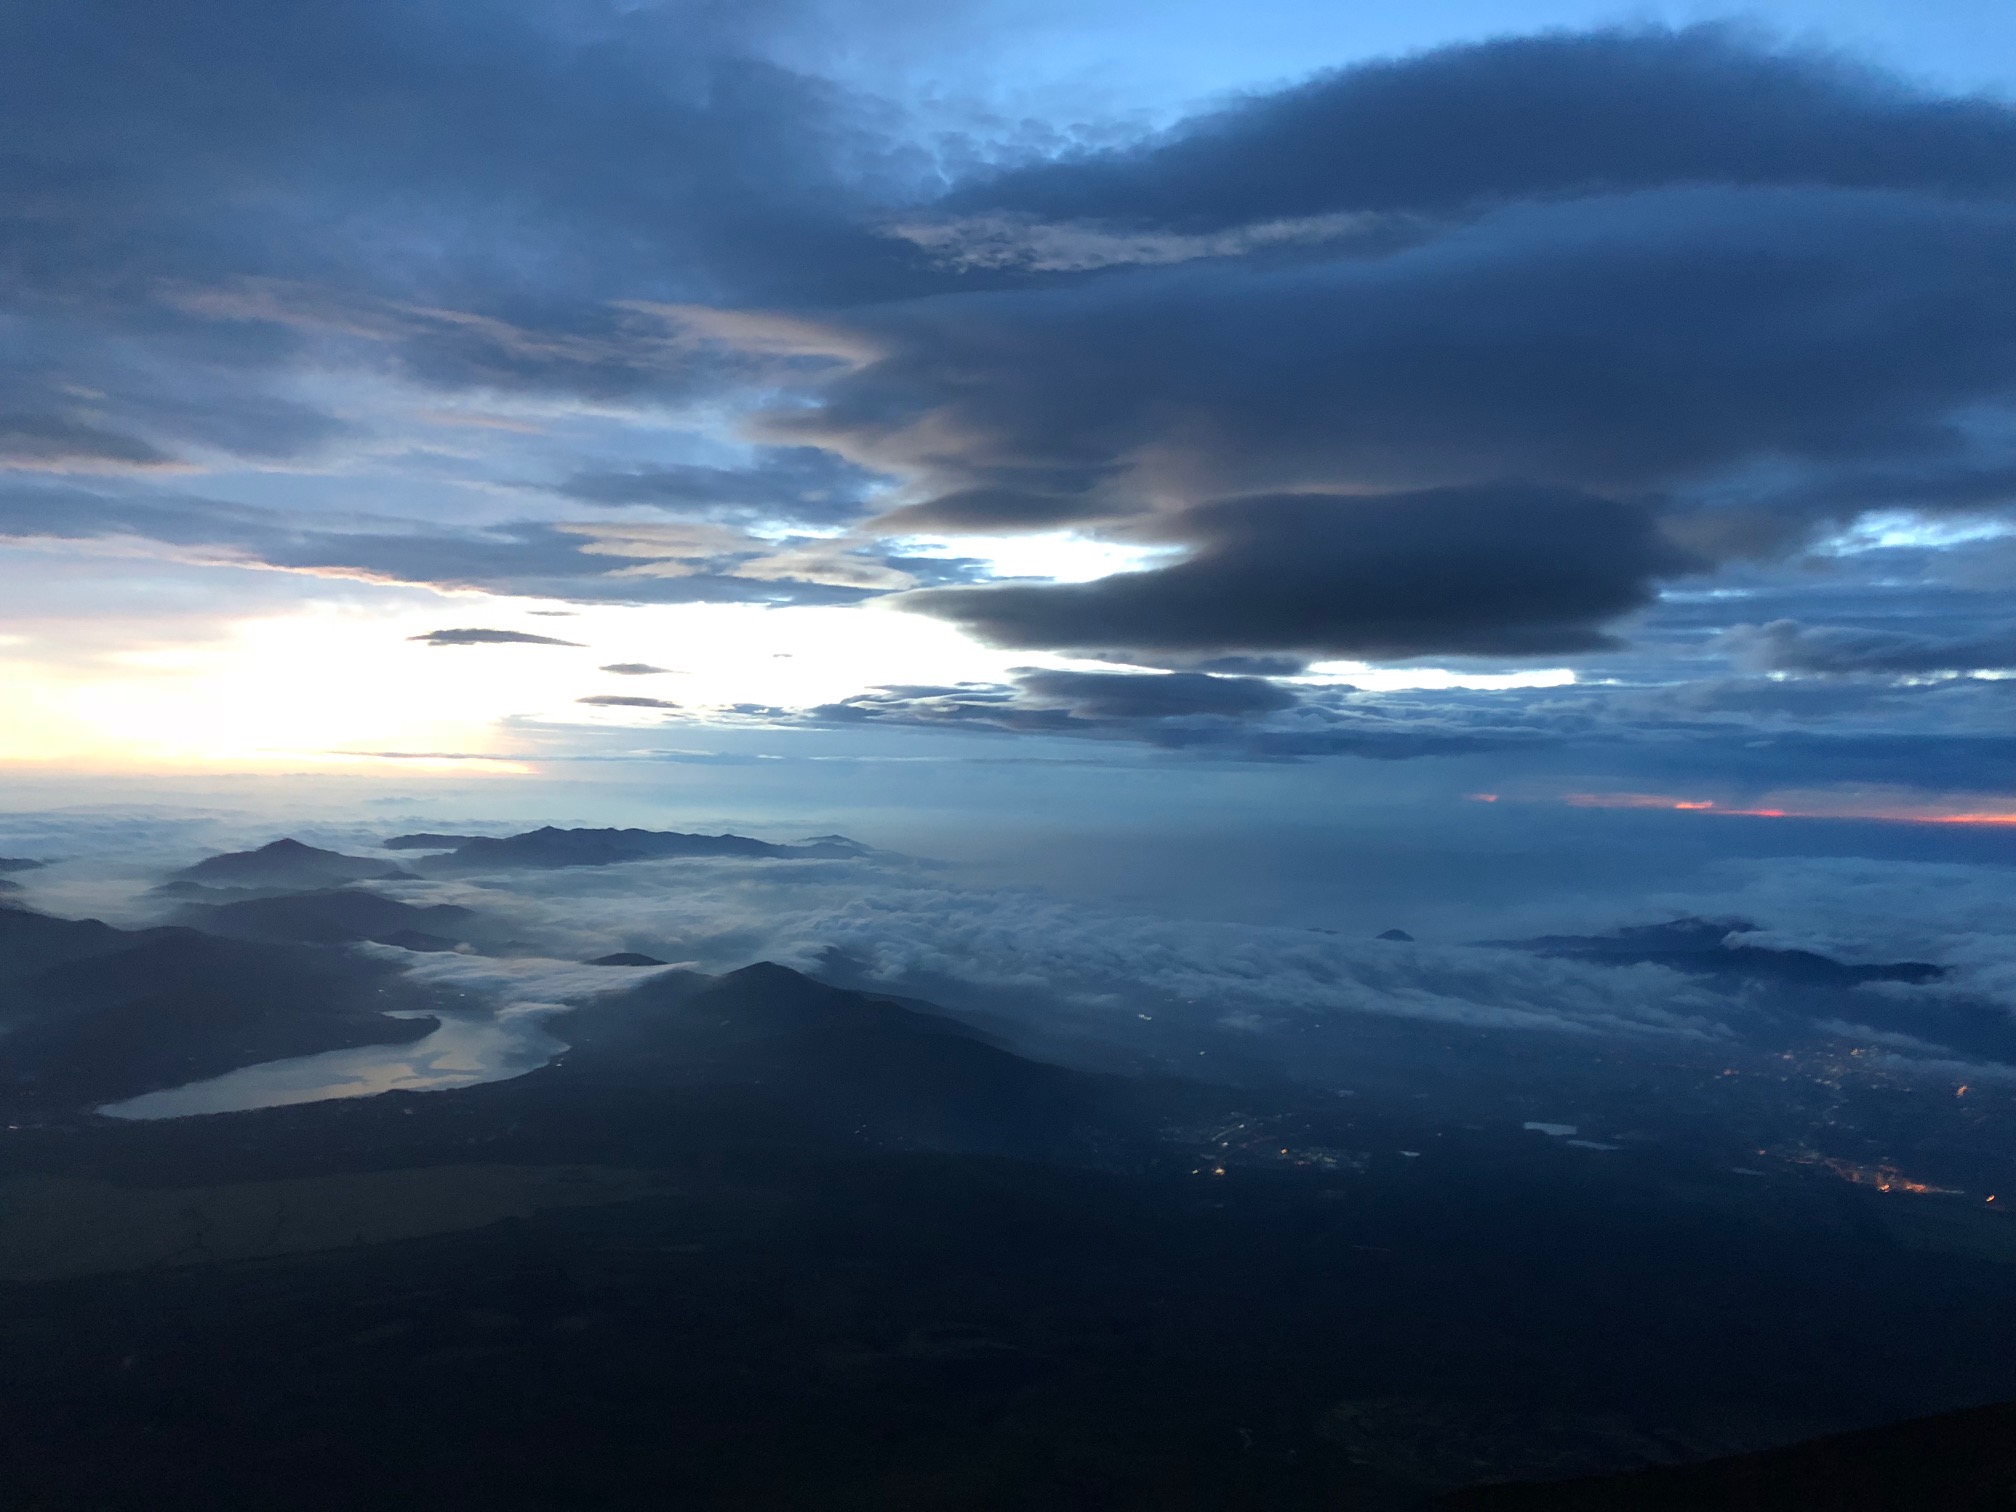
[(1958, 1462), (755, 1241)]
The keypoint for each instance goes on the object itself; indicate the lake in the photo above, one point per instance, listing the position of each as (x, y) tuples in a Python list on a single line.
[(465, 1050)]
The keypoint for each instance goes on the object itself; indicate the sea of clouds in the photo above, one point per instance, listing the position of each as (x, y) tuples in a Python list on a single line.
[(1053, 970)]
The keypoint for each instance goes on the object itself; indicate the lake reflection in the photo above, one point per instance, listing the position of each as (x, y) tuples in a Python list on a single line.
[(465, 1050)]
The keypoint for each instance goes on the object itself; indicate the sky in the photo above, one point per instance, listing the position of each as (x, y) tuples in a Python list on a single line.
[(1568, 432)]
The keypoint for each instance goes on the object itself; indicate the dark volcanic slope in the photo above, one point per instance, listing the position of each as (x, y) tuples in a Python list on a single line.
[(550, 848), (1956, 1462), (95, 1014), (285, 864), (845, 1062)]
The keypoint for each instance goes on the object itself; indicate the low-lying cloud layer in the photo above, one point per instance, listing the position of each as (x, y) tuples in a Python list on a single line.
[(1100, 966), (1060, 970), (1088, 975)]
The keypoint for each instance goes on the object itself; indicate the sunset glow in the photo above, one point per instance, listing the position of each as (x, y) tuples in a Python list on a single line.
[(1805, 806)]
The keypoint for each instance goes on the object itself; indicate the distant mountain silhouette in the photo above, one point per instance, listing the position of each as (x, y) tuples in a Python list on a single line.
[(851, 1062), (550, 848), (93, 1013), (19, 864), (1785, 994), (286, 864), (336, 916), (1956, 1462), (426, 841), (626, 958), (1400, 935), (1707, 947)]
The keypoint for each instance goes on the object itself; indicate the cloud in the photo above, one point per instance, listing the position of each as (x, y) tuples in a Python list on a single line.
[(1484, 571), (390, 193), (799, 484), (1788, 646), (488, 638), (1078, 974), (1172, 706), (1806, 324), (59, 442), (634, 669), (1738, 294), (1084, 966), (584, 561), (1067, 960), (1019, 241), (1734, 740), (612, 141), (513, 985), (1528, 117), (838, 565), (620, 701), (1209, 714), (1864, 909), (1128, 695), (1472, 354)]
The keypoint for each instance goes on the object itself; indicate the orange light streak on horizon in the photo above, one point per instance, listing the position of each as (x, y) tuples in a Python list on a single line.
[(1847, 811)]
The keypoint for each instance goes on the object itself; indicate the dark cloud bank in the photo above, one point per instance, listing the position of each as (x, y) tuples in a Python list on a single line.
[(1647, 302), (1506, 570)]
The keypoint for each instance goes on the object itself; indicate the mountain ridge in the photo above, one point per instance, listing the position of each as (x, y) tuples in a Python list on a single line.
[(553, 848), (287, 862)]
